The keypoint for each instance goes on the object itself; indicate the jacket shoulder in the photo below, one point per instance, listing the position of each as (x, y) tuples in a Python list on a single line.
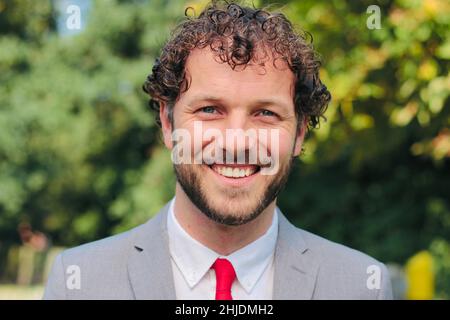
[(113, 246), (346, 273), (329, 251), (93, 269)]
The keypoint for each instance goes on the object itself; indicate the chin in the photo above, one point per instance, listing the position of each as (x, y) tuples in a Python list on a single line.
[(238, 206)]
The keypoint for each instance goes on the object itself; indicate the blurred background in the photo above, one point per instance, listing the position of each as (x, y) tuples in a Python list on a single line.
[(81, 157)]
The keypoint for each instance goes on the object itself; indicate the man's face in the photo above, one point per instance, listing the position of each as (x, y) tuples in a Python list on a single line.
[(253, 99)]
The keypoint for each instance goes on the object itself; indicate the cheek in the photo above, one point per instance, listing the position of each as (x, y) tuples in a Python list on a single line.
[(282, 143)]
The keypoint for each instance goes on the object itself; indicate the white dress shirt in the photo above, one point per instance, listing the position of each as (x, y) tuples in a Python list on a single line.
[(191, 263)]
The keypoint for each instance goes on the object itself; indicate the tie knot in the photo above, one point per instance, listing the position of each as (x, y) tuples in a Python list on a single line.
[(225, 276)]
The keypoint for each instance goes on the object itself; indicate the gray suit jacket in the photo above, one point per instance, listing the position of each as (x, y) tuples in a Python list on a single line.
[(136, 265)]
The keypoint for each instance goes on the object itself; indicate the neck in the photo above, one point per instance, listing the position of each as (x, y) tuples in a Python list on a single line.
[(220, 238)]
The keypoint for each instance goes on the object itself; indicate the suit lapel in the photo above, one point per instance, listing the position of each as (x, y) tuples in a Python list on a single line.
[(295, 269), (149, 266)]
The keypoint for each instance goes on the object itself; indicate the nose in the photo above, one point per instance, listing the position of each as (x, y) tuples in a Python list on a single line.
[(239, 137)]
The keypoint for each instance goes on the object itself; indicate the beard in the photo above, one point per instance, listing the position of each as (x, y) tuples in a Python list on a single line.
[(189, 178)]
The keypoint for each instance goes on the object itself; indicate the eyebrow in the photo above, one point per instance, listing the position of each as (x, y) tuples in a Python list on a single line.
[(259, 102), (198, 98)]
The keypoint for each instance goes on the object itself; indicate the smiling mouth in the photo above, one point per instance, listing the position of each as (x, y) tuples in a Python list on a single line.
[(235, 171)]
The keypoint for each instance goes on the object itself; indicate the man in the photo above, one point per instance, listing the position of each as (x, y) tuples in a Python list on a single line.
[(225, 82)]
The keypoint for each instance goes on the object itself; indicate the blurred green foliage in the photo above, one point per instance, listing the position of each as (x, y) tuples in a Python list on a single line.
[(81, 158), (376, 174), (75, 133)]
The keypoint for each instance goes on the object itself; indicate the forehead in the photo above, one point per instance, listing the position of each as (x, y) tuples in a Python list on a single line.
[(208, 74)]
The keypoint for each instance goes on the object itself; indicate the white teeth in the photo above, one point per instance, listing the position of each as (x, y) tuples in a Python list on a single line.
[(233, 172)]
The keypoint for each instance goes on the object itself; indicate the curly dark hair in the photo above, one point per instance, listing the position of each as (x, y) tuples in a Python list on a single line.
[(237, 35)]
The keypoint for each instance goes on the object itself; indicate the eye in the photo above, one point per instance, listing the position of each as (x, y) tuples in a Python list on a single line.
[(267, 113), (208, 109)]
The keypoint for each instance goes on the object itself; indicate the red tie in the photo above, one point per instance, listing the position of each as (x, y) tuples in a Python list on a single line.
[(225, 276)]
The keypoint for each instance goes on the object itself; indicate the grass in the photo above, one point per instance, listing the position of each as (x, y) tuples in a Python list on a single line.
[(15, 292)]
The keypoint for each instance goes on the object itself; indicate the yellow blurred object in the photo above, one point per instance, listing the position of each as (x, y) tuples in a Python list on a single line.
[(428, 70), (420, 277), (197, 6)]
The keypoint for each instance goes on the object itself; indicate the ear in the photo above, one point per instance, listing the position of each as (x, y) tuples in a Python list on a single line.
[(300, 137), (166, 125)]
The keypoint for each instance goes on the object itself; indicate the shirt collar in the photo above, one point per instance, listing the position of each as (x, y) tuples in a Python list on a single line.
[(194, 259)]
